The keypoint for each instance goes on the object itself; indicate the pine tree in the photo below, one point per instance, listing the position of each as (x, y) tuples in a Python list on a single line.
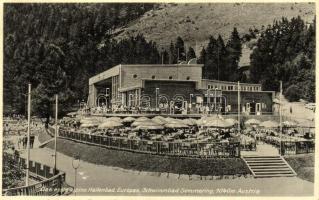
[(234, 53), (190, 53), (180, 49)]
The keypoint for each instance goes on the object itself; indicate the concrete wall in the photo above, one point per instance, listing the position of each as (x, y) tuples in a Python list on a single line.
[(249, 97), (177, 72), (170, 89)]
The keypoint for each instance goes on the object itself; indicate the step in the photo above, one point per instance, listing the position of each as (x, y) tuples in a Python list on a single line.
[(261, 157), (269, 167), (273, 172), (267, 164), (272, 169), (274, 175), (264, 161)]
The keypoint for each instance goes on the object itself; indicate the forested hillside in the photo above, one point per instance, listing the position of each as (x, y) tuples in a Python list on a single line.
[(286, 51), (57, 47)]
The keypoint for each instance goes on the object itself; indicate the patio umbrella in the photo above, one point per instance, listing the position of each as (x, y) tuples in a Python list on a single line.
[(151, 127), (110, 124), (141, 119), (269, 124), (289, 124), (219, 123), (252, 122), (118, 119), (159, 120), (176, 125), (129, 119), (88, 125), (169, 119), (144, 123), (231, 121), (306, 124), (189, 121), (72, 114)]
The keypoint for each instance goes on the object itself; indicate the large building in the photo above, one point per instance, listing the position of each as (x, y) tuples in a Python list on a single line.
[(174, 87)]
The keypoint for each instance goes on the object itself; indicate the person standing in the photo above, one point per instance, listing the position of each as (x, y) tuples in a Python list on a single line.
[(32, 137)]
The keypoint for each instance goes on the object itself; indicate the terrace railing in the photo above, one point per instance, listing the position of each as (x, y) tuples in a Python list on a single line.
[(184, 149), (297, 147), (50, 185)]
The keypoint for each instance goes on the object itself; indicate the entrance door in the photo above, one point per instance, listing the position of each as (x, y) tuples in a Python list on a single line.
[(258, 109), (253, 108), (248, 108)]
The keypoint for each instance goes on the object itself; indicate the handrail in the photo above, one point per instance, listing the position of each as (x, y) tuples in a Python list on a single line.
[(52, 185), (40, 188)]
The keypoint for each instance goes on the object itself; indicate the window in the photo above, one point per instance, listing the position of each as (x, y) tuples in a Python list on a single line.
[(187, 78), (153, 77), (230, 87), (134, 76), (170, 77)]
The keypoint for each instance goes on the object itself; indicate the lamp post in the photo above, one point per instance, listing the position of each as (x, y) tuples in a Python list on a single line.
[(28, 141), (75, 165), (215, 100), (106, 96), (156, 98), (280, 118)]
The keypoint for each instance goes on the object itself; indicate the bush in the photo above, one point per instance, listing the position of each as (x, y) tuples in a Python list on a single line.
[(293, 93)]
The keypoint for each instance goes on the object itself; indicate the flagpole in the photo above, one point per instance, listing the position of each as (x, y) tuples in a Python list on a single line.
[(280, 117), (56, 132), (238, 112), (28, 141)]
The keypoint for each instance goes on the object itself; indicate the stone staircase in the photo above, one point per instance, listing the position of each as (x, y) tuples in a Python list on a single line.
[(268, 166)]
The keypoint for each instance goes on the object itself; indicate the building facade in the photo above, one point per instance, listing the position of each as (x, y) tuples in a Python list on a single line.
[(174, 87)]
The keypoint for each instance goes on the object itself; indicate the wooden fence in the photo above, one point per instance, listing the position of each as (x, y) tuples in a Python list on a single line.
[(185, 149)]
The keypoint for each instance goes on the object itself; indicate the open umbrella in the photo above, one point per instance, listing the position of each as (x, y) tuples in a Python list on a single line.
[(252, 122), (110, 124), (289, 124), (159, 120), (269, 124), (306, 124), (231, 121), (141, 119), (175, 125), (118, 119), (151, 127), (219, 123), (189, 121), (72, 114), (128, 119), (144, 123), (88, 125)]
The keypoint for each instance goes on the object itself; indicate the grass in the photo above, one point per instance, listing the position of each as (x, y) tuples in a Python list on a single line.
[(152, 163), (166, 24), (303, 164)]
